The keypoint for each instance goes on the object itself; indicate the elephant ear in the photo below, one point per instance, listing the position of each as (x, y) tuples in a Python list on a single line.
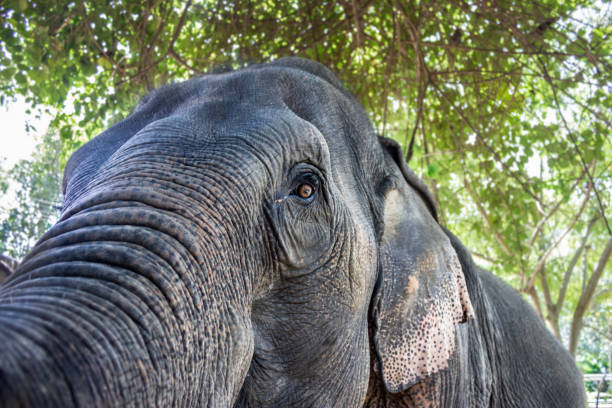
[(421, 292)]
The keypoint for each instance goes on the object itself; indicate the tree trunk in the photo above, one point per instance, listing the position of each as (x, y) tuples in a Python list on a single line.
[(587, 296)]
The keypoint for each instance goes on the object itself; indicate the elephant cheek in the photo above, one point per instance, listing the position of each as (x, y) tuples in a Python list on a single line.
[(362, 266), (362, 275), (305, 247)]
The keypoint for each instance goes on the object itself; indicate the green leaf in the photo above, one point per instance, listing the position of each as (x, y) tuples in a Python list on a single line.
[(432, 170)]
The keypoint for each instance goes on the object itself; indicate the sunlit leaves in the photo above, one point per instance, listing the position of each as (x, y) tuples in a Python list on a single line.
[(38, 197)]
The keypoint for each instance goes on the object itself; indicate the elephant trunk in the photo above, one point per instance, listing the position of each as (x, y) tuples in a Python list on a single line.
[(118, 305)]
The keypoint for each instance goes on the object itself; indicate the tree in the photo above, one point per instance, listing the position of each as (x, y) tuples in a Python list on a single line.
[(37, 199), (595, 351), (501, 106)]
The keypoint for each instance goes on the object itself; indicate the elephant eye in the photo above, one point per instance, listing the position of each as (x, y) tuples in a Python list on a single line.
[(306, 186), (305, 190)]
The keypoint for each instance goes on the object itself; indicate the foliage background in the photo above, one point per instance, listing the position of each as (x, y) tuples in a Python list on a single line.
[(504, 108)]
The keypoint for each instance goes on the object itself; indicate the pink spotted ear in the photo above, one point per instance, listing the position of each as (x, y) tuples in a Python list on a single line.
[(421, 293)]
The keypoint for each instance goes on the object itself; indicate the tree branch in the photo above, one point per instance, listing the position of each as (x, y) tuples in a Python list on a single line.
[(543, 220), (484, 214), (546, 254), (587, 296), (598, 331), (493, 50), (66, 21), (573, 140), (465, 120), (551, 316), (422, 77), (358, 28), (83, 13), (169, 51), (389, 60), (572, 264), (536, 302), (602, 292), (545, 289), (184, 63), (483, 257), (179, 25)]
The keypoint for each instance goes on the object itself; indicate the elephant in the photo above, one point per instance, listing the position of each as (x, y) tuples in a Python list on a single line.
[(246, 239)]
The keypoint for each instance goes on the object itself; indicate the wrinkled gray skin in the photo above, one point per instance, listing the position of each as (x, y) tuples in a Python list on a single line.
[(187, 270)]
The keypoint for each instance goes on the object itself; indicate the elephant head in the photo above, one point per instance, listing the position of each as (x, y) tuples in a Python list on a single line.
[(241, 239)]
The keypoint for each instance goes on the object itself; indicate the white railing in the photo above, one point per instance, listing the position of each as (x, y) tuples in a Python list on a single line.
[(599, 398)]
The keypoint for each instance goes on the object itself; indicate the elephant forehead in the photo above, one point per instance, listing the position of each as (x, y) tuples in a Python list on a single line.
[(275, 116), (268, 94), (205, 122), (265, 87)]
